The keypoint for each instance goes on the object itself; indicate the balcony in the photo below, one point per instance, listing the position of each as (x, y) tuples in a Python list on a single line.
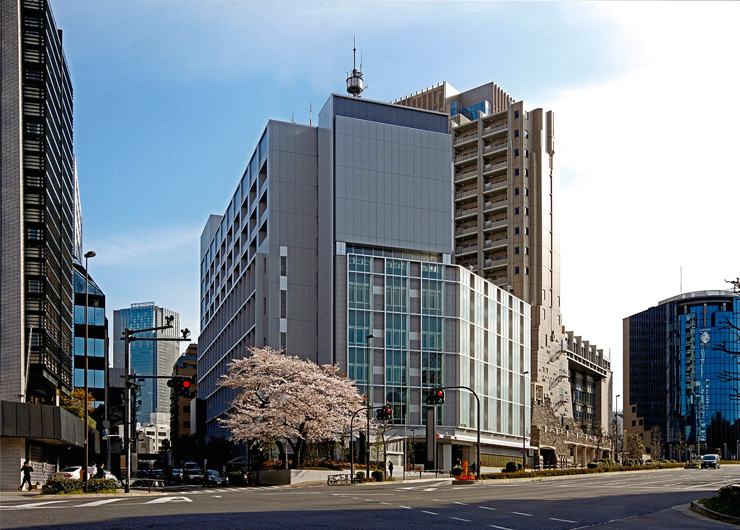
[(499, 148), (466, 159), (495, 244), (494, 224), (495, 169), (466, 140), (462, 195), (492, 264), (466, 176), (466, 213), (466, 250), (467, 231), (495, 131), (497, 205), (495, 186)]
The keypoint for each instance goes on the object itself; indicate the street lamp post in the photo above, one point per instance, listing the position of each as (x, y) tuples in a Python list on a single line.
[(369, 393), (89, 254), (616, 423), (524, 423)]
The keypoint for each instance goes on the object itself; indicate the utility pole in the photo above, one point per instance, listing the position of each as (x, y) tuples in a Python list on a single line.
[(128, 337)]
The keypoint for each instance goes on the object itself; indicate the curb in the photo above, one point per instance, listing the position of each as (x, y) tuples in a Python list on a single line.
[(699, 508)]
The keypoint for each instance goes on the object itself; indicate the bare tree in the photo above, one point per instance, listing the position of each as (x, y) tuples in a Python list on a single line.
[(635, 446), (656, 442)]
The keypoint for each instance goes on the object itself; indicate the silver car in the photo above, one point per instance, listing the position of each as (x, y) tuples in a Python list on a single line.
[(710, 461)]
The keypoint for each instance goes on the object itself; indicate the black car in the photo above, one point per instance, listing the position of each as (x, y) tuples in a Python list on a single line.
[(214, 478), (193, 475)]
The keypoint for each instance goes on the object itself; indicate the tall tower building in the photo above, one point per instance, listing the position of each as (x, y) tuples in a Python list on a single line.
[(506, 184), (148, 357), (38, 207)]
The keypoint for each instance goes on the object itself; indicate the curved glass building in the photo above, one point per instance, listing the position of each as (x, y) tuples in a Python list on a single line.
[(682, 374)]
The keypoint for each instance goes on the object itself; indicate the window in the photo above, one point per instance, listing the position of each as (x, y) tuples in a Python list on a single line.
[(516, 211), (526, 133), (283, 265), (283, 304), (526, 251), (526, 271), (516, 172), (526, 192), (526, 173), (526, 153), (516, 250), (516, 230), (516, 114), (526, 231), (516, 152), (516, 191), (516, 133), (516, 270), (526, 210)]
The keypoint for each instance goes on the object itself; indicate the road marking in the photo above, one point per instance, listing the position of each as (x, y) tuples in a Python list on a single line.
[(162, 500), (460, 503), (98, 503), (216, 496), (429, 489), (34, 505), (405, 507), (500, 527), (486, 508), (381, 502), (524, 514), (464, 520), (430, 513), (562, 520)]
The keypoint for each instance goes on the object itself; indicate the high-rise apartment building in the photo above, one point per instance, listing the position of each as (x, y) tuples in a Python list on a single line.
[(506, 230), (148, 357), (680, 374), (337, 246)]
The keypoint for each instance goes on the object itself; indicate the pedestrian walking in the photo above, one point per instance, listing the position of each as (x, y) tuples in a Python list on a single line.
[(26, 470), (100, 473), (390, 469)]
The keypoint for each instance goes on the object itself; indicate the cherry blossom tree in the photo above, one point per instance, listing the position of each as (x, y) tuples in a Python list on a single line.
[(287, 399)]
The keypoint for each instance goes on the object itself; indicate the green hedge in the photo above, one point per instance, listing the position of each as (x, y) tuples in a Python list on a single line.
[(579, 471), (727, 502), (64, 485)]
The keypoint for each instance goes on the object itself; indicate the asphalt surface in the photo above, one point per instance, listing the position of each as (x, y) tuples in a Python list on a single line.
[(626, 501)]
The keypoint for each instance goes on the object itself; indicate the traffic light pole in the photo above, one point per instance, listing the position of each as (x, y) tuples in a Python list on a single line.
[(352, 440), (477, 444), (128, 337)]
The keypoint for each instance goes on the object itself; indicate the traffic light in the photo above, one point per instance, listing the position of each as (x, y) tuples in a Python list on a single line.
[(384, 413), (436, 396), (182, 385)]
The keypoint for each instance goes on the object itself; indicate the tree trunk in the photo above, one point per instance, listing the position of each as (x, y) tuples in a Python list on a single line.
[(282, 453), (298, 448)]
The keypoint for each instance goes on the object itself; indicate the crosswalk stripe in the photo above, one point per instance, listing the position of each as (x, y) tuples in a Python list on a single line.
[(98, 503)]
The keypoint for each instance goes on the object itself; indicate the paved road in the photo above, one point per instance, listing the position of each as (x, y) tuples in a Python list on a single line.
[(625, 501)]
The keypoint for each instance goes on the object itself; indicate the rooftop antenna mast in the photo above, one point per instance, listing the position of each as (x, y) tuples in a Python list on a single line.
[(355, 84)]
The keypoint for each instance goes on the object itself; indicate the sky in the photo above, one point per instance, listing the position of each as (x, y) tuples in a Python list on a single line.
[(171, 97)]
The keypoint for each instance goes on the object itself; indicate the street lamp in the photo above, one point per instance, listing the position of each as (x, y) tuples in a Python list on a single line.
[(368, 393), (524, 422), (89, 254), (616, 423)]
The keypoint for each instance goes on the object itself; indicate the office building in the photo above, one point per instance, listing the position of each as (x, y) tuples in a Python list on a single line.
[(148, 357), (681, 373), (37, 225), (97, 337), (506, 182), (180, 406), (337, 246)]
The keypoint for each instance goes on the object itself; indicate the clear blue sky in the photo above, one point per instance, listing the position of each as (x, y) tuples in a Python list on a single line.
[(171, 96)]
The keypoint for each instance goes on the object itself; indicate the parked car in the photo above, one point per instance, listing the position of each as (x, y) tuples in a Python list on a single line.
[(177, 474), (111, 476), (710, 461), (214, 478), (193, 475), (72, 472)]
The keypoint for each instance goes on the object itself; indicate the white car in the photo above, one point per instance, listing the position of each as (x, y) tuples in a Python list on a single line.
[(710, 461), (73, 472)]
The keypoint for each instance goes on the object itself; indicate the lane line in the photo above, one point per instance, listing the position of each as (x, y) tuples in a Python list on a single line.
[(524, 514), (31, 506), (98, 503), (463, 520), (500, 527), (486, 508), (430, 513), (460, 503), (563, 520)]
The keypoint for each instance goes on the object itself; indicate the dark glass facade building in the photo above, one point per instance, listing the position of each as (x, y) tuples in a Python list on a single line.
[(681, 374), (97, 337)]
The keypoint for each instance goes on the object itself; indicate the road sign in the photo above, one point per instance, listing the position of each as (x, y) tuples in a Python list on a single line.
[(522, 451)]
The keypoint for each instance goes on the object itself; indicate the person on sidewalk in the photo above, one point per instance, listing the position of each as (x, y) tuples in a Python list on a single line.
[(390, 469), (100, 472), (26, 470)]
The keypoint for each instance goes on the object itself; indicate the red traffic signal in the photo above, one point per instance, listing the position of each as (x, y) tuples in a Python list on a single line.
[(436, 396), (182, 385), (384, 413)]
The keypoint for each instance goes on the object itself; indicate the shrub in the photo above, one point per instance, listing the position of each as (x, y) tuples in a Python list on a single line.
[(511, 467), (727, 501), (360, 475), (377, 475), (65, 486)]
